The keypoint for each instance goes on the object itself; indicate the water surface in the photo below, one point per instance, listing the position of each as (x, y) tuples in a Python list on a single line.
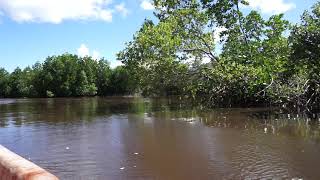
[(135, 138)]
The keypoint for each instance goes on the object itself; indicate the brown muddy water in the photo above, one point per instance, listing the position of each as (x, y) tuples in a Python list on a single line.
[(135, 138)]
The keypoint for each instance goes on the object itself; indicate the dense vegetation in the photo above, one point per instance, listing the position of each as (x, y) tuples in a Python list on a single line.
[(63, 76), (260, 61)]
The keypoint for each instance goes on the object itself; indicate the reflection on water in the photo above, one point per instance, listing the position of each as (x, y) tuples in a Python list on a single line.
[(135, 138)]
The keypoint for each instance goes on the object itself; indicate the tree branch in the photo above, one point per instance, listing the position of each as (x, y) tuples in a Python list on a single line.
[(264, 90), (211, 56)]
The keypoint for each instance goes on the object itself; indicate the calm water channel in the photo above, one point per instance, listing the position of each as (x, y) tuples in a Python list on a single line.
[(135, 138)]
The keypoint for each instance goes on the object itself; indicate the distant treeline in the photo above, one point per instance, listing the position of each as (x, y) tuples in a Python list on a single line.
[(63, 76), (261, 61)]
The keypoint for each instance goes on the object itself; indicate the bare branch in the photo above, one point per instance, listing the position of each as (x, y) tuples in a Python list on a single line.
[(264, 90), (211, 56)]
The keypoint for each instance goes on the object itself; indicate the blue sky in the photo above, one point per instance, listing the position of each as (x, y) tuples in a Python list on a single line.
[(31, 30)]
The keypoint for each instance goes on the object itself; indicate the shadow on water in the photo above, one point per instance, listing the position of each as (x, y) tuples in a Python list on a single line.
[(19, 112)]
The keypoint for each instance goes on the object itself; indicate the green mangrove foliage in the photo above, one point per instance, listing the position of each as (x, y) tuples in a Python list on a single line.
[(63, 76), (211, 51)]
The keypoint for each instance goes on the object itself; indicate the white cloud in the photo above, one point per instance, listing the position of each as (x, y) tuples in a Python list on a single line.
[(56, 11), (206, 60), (190, 59), (217, 33), (122, 9), (271, 6), (84, 51), (106, 15), (96, 55), (114, 64), (146, 5)]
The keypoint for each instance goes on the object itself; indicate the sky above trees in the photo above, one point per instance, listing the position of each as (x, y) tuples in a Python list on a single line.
[(34, 29)]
